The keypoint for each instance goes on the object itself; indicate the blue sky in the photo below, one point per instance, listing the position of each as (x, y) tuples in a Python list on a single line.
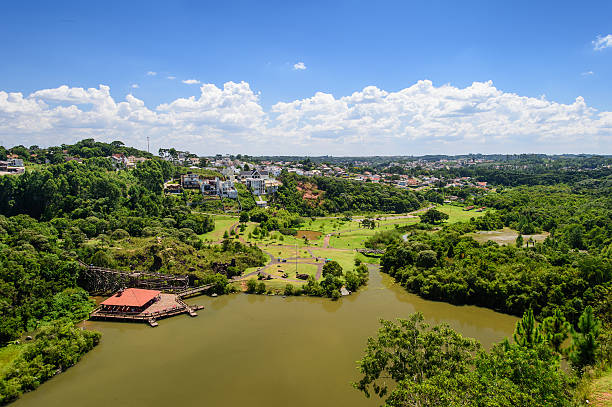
[(528, 49)]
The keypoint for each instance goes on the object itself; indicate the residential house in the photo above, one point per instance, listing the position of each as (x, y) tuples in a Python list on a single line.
[(272, 186), (119, 160), (190, 180), (226, 189)]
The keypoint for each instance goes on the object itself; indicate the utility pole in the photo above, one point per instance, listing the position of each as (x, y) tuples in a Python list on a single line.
[(148, 144)]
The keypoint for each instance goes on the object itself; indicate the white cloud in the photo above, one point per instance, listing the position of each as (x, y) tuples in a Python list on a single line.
[(601, 43), (191, 81), (151, 73), (587, 73), (299, 66), (420, 119), (135, 86), (171, 77)]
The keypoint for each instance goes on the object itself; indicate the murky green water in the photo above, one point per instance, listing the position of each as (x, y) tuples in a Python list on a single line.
[(247, 350)]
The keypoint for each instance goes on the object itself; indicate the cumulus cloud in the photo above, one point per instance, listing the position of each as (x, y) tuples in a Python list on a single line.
[(419, 119), (587, 73), (135, 86), (600, 43), (171, 77), (299, 66), (191, 81), (151, 73)]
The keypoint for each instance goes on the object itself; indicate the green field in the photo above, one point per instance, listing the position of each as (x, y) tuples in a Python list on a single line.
[(222, 224), (345, 258), (8, 354), (289, 268), (356, 239), (286, 252), (457, 214)]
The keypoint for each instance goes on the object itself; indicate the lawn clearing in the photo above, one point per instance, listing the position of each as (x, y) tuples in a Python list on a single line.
[(8, 354), (457, 214), (286, 252), (345, 258), (222, 225)]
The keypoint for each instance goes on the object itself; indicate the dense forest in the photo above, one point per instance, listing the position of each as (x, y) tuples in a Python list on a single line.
[(564, 281)]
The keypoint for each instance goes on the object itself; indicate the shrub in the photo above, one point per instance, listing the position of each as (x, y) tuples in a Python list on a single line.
[(120, 234)]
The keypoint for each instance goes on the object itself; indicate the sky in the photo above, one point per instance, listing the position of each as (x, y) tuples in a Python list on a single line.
[(310, 78)]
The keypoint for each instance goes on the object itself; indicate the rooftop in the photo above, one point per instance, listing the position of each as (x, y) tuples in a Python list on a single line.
[(132, 297)]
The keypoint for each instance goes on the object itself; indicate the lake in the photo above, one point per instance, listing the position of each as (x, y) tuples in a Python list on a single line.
[(251, 350)]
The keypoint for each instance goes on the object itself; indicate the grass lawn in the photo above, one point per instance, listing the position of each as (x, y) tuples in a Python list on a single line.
[(8, 354), (222, 224), (289, 268), (345, 258), (356, 239), (326, 226), (286, 252), (457, 214)]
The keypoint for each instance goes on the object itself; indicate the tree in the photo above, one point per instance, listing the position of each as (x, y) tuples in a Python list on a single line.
[(251, 286), (244, 217), (519, 240), (408, 352), (556, 330), (584, 340), (332, 267), (433, 216), (368, 223), (260, 288), (413, 365), (426, 259), (526, 333), (352, 280)]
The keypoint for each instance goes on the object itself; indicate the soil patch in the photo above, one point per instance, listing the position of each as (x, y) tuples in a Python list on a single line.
[(505, 236), (308, 234)]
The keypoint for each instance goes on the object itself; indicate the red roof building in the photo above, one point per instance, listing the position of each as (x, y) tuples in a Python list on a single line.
[(131, 300)]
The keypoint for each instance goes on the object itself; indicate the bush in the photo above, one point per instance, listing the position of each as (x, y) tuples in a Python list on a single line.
[(251, 286), (120, 234), (333, 268), (260, 288), (288, 231)]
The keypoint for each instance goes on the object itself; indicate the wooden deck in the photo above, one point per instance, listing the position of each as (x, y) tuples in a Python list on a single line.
[(168, 305)]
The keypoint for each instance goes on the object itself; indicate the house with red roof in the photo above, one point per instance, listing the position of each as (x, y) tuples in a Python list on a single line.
[(130, 300)]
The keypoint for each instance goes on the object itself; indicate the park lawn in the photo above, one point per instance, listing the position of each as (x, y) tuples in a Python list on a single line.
[(326, 225), (356, 239), (457, 214), (345, 258), (351, 240), (289, 268), (8, 354), (222, 225), (286, 252)]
